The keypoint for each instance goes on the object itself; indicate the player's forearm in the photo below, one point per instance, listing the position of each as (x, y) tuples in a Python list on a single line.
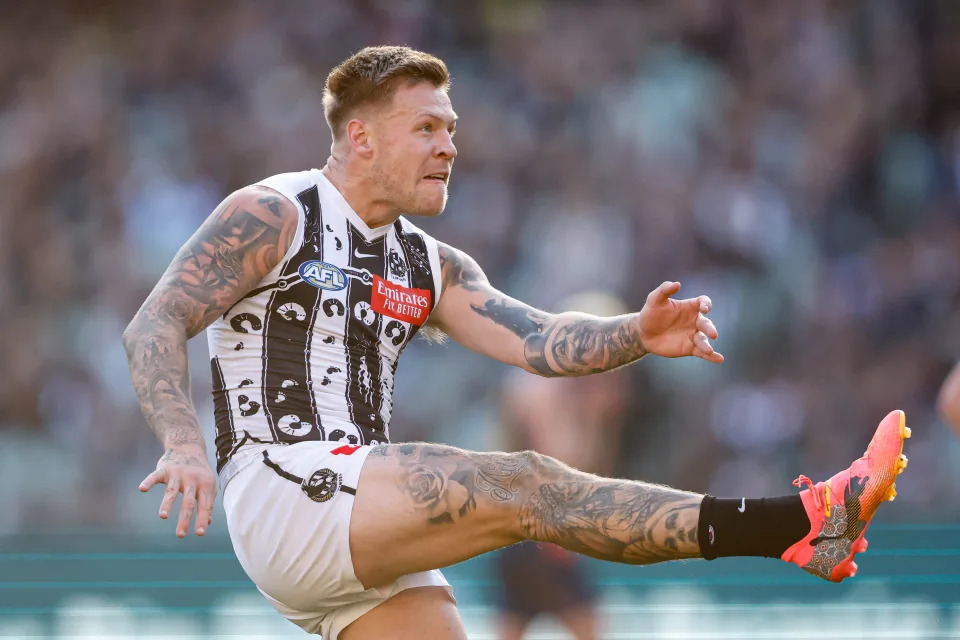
[(564, 344), (576, 344), (567, 344), (157, 355)]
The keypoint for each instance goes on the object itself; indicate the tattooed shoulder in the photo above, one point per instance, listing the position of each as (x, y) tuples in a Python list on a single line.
[(459, 269), (272, 202), (241, 241), (267, 205)]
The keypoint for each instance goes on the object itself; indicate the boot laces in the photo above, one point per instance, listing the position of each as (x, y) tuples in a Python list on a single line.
[(821, 498)]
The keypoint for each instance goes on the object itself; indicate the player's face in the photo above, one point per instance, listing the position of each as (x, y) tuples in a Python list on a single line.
[(414, 157)]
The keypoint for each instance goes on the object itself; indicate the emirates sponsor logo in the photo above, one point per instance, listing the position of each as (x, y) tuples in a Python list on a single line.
[(402, 303)]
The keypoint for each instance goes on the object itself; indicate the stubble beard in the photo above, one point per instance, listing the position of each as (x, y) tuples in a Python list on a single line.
[(414, 203), (406, 200)]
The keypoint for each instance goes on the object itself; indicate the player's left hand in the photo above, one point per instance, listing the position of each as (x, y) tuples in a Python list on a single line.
[(675, 328)]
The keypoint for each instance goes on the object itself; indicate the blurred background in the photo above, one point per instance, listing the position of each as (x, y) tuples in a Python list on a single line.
[(799, 162)]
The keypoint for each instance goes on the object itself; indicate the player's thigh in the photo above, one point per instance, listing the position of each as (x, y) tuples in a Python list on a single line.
[(412, 614), (425, 506)]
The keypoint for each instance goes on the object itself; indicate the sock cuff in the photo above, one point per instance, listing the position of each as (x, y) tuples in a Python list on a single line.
[(750, 527), (705, 533)]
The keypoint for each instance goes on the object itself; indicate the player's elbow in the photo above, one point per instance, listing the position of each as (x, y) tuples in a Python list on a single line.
[(136, 331), (129, 338)]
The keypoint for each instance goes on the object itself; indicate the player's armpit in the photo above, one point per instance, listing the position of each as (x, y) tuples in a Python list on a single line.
[(478, 316)]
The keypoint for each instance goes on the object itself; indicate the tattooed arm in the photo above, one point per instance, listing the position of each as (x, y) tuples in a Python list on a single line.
[(242, 241), (476, 315)]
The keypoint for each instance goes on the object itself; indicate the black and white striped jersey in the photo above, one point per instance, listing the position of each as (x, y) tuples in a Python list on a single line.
[(311, 353)]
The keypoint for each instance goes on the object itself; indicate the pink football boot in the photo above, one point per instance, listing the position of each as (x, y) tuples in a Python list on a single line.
[(840, 509)]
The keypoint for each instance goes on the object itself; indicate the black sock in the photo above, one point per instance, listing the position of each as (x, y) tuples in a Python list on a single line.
[(741, 527)]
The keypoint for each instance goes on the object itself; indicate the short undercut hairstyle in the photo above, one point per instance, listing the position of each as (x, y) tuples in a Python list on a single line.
[(372, 75)]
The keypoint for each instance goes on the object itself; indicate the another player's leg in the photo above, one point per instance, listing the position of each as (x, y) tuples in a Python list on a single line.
[(513, 626), (582, 622), (521, 583), (536, 578)]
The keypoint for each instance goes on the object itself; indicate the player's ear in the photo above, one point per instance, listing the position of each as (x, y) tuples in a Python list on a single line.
[(359, 138)]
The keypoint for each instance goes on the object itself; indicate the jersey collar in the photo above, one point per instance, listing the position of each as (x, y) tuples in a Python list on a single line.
[(343, 207)]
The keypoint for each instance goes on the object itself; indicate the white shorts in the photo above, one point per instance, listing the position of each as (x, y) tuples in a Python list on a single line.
[(296, 547)]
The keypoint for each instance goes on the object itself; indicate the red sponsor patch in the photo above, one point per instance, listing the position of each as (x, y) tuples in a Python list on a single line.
[(396, 301), (345, 450)]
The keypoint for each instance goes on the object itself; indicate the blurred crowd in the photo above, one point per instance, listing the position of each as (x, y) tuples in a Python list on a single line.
[(797, 161)]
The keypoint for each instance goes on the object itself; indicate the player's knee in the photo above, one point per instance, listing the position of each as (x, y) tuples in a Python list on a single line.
[(538, 470), (541, 472), (531, 459)]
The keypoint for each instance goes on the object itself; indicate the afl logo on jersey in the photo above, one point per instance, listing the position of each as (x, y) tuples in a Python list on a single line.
[(323, 275)]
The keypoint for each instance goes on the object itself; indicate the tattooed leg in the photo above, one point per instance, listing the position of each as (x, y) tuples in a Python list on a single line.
[(433, 505), (616, 520)]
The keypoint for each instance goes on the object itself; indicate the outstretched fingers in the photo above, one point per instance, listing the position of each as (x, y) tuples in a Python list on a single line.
[(156, 477), (705, 329), (703, 349), (662, 293), (169, 496), (705, 325), (705, 304), (187, 506), (206, 497), (188, 473)]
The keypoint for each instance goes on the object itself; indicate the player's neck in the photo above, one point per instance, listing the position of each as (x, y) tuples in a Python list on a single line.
[(360, 195)]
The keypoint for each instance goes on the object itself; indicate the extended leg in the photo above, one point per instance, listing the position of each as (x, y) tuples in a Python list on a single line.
[(423, 506)]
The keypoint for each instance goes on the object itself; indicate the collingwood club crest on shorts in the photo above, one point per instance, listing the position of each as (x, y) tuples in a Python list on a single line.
[(322, 485), (311, 352)]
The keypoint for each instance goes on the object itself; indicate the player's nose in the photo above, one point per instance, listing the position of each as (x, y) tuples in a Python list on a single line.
[(446, 148)]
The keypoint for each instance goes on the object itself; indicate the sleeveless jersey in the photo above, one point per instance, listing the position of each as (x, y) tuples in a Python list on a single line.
[(311, 352)]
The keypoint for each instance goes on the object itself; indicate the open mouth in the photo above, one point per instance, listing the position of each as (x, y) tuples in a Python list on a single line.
[(441, 176)]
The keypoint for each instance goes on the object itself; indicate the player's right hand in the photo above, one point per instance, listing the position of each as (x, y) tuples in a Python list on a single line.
[(184, 469), (675, 328)]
